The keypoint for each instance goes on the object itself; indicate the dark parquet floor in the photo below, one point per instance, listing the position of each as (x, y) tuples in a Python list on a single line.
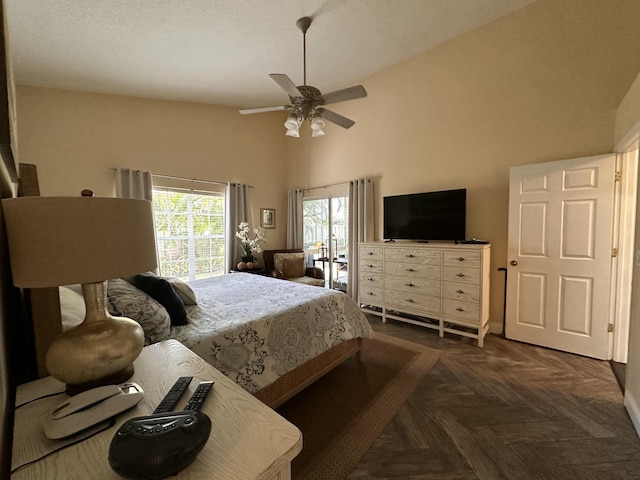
[(507, 411)]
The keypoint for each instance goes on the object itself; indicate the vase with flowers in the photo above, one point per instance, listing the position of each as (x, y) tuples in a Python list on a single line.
[(250, 242)]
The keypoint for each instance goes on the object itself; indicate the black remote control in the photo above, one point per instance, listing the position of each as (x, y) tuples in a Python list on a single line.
[(173, 395), (199, 396)]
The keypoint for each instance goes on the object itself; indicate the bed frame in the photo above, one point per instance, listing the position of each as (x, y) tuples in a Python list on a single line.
[(301, 377)]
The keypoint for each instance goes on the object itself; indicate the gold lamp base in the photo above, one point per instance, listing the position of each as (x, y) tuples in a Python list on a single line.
[(100, 351)]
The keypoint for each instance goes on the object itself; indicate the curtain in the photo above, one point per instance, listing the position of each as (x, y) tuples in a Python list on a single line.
[(294, 219), (361, 204), (139, 185), (238, 209), (133, 184)]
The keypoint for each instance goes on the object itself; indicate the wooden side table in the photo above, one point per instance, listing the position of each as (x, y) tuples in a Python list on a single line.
[(248, 439)]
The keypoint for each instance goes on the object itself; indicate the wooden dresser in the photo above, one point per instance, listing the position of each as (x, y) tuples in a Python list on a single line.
[(443, 286)]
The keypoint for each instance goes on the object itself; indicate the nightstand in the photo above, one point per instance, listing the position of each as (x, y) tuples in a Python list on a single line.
[(248, 439)]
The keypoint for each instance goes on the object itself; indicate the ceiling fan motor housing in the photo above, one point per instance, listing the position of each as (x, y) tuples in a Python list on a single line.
[(305, 106)]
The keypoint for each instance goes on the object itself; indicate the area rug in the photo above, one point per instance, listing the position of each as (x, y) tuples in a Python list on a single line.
[(343, 413)]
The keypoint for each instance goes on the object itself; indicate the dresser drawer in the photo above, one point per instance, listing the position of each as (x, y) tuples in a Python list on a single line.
[(461, 291), (374, 280), (368, 265), (370, 253), (414, 255), (412, 270), (423, 286), (416, 303), (469, 312), (462, 258), (461, 275), (370, 295)]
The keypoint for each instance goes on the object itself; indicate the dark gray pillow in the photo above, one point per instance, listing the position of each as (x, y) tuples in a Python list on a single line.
[(162, 291)]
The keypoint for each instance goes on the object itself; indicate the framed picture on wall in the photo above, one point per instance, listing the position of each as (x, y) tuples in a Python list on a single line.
[(267, 218)]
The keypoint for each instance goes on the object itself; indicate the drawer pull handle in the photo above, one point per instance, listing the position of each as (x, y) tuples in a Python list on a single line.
[(409, 269), (460, 275), (370, 279), (411, 255), (460, 259), (460, 309), (410, 300), (460, 291), (369, 253), (371, 293), (370, 266), (409, 284)]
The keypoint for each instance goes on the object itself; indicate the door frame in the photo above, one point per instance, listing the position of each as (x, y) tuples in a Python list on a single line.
[(329, 192), (624, 233)]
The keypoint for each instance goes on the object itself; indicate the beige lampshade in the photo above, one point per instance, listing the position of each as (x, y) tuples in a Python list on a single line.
[(65, 240)]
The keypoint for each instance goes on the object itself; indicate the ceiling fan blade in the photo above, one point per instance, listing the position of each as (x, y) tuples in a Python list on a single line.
[(286, 84), (350, 93), (336, 118), (248, 111)]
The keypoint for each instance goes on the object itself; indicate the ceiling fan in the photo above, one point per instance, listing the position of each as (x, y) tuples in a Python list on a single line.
[(307, 102)]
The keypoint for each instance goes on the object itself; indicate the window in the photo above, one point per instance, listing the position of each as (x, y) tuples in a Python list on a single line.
[(189, 233)]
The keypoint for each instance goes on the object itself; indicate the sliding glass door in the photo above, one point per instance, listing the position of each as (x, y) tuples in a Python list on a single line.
[(325, 237)]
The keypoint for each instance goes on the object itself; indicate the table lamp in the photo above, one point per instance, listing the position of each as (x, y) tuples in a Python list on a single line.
[(57, 241)]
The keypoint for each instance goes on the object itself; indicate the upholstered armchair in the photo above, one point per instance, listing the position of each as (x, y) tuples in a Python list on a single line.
[(291, 265)]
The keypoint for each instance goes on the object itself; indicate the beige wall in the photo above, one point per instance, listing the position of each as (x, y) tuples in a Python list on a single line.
[(530, 87), (628, 113), (627, 121), (537, 85), (76, 139)]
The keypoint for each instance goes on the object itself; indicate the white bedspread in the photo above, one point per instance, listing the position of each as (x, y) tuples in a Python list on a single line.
[(255, 329)]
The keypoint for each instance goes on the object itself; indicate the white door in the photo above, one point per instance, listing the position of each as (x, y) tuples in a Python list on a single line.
[(560, 254)]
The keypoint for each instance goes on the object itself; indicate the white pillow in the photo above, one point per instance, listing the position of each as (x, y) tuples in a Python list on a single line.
[(184, 291), (72, 307)]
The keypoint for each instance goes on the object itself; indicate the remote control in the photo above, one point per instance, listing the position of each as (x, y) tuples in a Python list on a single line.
[(199, 396), (173, 395)]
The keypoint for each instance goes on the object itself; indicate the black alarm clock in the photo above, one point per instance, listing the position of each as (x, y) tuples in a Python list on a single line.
[(158, 445)]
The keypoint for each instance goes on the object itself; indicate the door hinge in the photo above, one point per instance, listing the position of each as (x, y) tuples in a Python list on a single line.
[(618, 176), (610, 328), (614, 252)]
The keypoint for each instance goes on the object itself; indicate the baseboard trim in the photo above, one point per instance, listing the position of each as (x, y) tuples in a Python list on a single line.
[(633, 409)]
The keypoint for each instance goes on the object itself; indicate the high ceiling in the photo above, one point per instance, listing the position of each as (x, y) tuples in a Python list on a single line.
[(221, 51)]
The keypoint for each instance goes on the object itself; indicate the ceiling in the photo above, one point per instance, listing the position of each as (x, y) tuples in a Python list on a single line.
[(221, 51)]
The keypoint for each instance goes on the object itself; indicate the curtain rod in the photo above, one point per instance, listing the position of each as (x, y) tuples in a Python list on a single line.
[(171, 177), (326, 186), (334, 185)]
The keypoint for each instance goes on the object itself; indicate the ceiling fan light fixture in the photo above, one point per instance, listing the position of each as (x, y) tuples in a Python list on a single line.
[(292, 122), (317, 127)]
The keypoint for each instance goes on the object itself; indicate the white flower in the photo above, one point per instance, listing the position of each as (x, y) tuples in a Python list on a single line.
[(250, 245)]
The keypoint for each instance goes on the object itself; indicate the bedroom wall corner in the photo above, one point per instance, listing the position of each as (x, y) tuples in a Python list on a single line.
[(628, 124)]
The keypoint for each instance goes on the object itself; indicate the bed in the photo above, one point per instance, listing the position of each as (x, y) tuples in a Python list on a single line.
[(273, 337)]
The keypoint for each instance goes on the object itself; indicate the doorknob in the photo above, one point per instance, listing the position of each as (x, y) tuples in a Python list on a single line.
[(514, 263)]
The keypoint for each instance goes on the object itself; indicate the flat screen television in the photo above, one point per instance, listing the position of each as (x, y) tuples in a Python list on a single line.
[(426, 216)]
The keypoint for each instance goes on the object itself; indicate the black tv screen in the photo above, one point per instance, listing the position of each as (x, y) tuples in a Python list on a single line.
[(426, 216)]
